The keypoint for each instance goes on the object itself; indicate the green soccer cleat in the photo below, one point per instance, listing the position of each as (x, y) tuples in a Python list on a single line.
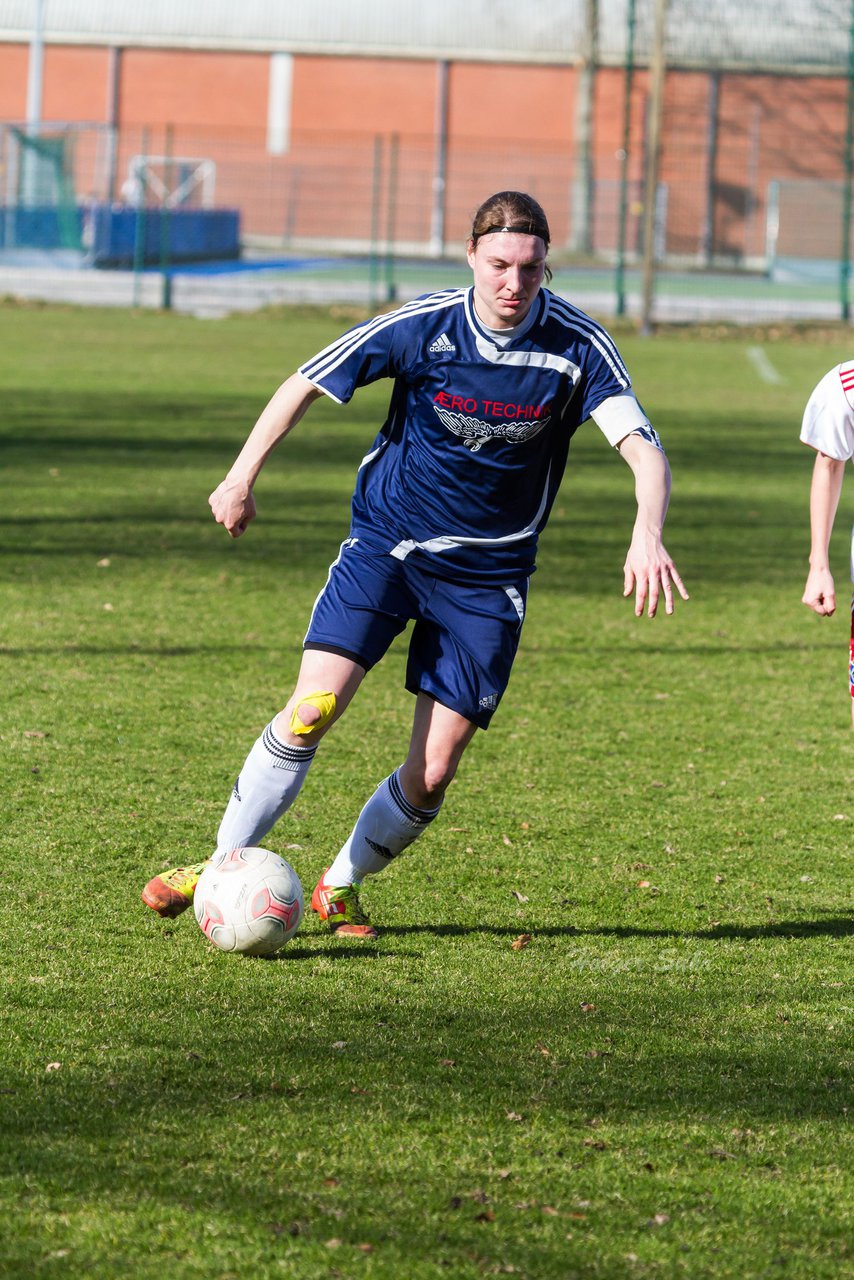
[(341, 909), (172, 893)]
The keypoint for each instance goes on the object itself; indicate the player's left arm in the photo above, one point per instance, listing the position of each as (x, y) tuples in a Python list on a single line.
[(649, 570)]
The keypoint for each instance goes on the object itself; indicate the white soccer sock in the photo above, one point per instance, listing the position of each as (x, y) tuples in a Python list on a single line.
[(269, 782), (387, 825)]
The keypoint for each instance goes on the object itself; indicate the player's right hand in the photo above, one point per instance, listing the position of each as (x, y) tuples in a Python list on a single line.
[(820, 592), (233, 506)]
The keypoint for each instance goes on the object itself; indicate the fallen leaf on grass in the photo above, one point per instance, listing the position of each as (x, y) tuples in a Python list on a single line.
[(522, 941), (658, 1220), (53, 1066), (34, 733), (105, 563), (513, 1115), (717, 1153), (520, 897), (585, 1007), (339, 1044)]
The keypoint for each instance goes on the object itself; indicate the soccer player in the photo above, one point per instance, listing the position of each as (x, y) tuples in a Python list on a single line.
[(828, 427), (490, 382)]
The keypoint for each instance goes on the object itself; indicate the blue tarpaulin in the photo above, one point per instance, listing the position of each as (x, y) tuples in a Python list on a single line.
[(120, 236)]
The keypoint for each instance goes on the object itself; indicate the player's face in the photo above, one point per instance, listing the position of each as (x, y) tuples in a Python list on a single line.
[(508, 271)]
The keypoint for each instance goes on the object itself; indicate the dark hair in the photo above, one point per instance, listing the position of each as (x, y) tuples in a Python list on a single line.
[(511, 211)]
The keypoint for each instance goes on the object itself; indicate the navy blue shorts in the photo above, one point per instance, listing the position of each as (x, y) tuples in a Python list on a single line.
[(464, 639)]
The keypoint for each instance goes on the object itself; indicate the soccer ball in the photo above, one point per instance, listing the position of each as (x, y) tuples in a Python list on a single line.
[(249, 900)]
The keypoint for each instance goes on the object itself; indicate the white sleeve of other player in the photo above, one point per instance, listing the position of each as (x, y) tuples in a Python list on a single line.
[(828, 422), (621, 416)]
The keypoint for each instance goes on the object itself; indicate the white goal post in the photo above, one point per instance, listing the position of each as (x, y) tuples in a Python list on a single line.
[(171, 180)]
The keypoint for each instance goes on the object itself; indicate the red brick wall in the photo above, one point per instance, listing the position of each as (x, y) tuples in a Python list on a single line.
[(189, 89), (14, 62), (509, 125)]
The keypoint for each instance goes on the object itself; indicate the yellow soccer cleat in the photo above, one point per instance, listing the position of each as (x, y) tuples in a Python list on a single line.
[(172, 892)]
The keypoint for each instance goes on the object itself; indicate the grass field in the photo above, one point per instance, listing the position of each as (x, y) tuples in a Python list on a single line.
[(657, 1085)]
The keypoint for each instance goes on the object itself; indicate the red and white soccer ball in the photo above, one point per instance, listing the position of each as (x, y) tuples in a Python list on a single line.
[(249, 900)]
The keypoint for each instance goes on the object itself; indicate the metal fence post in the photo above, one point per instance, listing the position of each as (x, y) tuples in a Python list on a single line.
[(139, 223), (656, 112), (376, 193), (391, 218), (165, 247), (620, 283)]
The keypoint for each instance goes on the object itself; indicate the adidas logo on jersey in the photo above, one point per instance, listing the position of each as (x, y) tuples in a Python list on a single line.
[(442, 346)]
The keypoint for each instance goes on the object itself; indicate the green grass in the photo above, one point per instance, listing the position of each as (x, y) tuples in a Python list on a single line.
[(657, 1085)]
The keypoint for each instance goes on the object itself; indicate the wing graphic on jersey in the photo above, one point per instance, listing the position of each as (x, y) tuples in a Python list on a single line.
[(519, 432), (474, 433)]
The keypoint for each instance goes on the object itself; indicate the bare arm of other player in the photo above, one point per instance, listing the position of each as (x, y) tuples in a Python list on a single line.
[(825, 488), (232, 502), (649, 570)]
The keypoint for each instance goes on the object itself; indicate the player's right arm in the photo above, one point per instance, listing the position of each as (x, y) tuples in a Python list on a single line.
[(233, 502), (825, 488)]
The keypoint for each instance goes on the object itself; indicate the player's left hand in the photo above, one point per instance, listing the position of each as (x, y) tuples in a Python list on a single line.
[(651, 575)]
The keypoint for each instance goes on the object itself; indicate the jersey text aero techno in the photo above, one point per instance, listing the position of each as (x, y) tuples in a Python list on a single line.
[(467, 464)]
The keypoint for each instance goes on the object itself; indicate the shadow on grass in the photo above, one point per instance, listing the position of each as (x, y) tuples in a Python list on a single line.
[(139, 651), (181, 651), (834, 927)]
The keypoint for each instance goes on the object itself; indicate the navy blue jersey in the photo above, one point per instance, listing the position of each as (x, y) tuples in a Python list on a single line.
[(465, 469)]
